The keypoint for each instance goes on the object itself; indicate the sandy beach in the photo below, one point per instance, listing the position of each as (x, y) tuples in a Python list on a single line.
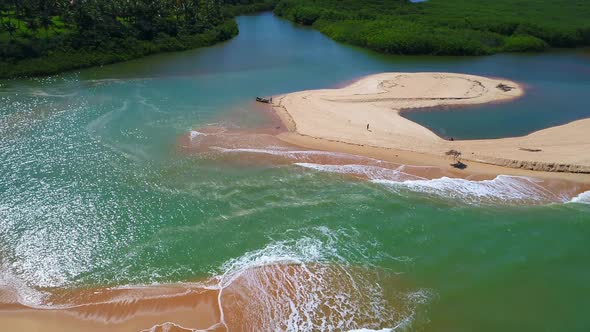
[(155, 308), (364, 118), (259, 298)]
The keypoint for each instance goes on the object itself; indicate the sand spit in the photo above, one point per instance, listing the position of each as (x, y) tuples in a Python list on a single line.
[(364, 118)]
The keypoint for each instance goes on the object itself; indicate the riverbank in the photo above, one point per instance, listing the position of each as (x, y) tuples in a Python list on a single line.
[(364, 118), (27, 53), (122, 50), (454, 27)]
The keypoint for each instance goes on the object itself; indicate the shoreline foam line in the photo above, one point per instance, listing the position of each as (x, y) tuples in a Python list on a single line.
[(302, 284), (364, 118)]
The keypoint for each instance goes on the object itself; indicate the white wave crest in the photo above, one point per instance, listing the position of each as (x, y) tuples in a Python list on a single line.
[(194, 134), (371, 172), (583, 198), (301, 155), (502, 189), (19, 290), (304, 285), (42, 93)]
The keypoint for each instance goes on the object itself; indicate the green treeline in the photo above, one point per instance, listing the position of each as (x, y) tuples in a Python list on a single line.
[(39, 37), (446, 27)]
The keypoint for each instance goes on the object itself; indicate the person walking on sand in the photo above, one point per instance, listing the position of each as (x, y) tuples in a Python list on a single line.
[(368, 127)]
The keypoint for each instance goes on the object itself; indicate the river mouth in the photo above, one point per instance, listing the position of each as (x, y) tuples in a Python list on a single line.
[(160, 171)]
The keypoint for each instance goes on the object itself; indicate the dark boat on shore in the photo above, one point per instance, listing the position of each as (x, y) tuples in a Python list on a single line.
[(264, 100)]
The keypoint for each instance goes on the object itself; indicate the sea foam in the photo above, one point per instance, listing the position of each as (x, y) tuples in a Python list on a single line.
[(23, 293), (194, 134), (503, 189), (369, 171), (583, 198), (278, 152), (305, 285)]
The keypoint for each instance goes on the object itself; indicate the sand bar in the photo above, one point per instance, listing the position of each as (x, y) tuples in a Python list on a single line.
[(336, 119)]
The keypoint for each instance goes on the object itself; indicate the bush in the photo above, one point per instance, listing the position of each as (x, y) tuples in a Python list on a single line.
[(524, 43)]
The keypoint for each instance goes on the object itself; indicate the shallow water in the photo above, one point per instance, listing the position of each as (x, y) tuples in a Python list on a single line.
[(556, 87), (95, 192)]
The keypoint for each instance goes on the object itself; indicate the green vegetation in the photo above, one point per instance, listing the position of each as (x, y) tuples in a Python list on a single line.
[(243, 7), (40, 37), (446, 27)]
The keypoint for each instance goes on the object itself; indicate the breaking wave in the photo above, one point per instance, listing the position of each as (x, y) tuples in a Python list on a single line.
[(369, 171), (323, 280), (18, 291), (582, 198), (503, 189), (194, 134), (306, 285), (430, 181), (42, 93), (280, 151)]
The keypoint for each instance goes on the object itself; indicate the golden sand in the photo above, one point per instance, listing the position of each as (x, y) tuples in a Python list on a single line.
[(337, 119), (157, 308), (273, 297)]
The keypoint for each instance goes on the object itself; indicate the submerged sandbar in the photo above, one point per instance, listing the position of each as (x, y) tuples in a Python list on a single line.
[(364, 117)]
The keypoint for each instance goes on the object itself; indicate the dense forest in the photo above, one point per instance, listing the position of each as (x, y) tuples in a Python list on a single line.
[(446, 27), (40, 37)]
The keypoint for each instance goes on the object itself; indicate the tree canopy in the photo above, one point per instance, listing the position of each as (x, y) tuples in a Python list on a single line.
[(446, 27), (47, 36)]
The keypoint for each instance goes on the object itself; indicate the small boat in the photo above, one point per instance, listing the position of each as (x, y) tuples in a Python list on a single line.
[(263, 100), (504, 87)]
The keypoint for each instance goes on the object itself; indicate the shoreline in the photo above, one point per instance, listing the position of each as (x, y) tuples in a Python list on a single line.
[(38, 67), (260, 297), (172, 307), (307, 115)]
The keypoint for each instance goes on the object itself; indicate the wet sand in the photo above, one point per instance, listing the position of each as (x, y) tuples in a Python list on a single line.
[(336, 120), (275, 144), (257, 298), (155, 308), (262, 148)]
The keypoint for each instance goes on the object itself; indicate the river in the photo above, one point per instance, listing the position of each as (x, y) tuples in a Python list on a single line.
[(94, 192)]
